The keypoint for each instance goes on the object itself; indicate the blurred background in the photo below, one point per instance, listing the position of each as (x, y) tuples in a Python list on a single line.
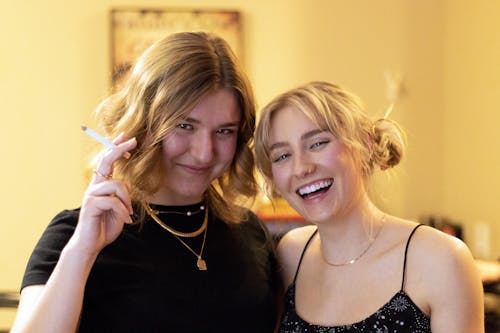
[(438, 59)]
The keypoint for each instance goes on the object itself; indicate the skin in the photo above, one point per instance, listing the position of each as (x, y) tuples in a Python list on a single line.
[(199, 150), (445, 285), (297, 168)]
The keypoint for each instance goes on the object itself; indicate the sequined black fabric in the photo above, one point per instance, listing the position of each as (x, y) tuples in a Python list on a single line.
[(400, 314)]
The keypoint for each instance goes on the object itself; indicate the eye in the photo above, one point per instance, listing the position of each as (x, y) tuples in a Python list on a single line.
[(225, 131), (185, 126), (280, 157), (318, 144)]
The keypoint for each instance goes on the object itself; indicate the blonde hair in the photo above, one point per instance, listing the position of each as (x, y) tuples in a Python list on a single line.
[(166, 83), (372, 143)]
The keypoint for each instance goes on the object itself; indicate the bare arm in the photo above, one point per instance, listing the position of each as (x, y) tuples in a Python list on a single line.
[(456, 300), (56, 306)]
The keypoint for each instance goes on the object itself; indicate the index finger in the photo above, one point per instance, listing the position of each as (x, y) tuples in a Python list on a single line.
[(105, 167)]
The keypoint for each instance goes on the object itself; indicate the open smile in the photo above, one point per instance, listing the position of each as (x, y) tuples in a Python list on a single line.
[(311, 190)]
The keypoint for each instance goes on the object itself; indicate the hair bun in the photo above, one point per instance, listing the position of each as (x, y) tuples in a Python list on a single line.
[(389, 141)]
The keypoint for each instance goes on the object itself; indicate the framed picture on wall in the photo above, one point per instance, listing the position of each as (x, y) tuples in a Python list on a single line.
[(134, 30)]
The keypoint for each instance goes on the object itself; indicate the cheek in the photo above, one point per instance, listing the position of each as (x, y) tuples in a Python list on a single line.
[(280, 177), (173, 146), (339, 159), (227, 149), (347, 163)]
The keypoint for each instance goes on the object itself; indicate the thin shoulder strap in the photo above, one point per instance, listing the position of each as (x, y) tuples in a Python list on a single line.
[(406, 252), (303, 252)]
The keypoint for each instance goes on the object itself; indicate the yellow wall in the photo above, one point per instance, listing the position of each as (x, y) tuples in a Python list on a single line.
[(54, 68), (471, 112)]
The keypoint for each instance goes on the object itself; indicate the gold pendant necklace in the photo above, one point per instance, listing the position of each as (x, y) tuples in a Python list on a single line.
[(352, 261), (195, 233), (200, 263)]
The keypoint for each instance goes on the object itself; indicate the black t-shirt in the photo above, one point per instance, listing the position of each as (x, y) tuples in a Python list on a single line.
[(147, 281)]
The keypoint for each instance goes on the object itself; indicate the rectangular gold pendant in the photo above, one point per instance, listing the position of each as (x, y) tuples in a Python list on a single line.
[(202, 265)]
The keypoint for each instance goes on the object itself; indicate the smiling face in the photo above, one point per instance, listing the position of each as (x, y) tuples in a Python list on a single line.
[(199, 149), (312, 169)]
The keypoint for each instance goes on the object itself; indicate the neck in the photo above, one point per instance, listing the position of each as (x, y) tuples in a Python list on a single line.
[(347, 235), (164, 199)]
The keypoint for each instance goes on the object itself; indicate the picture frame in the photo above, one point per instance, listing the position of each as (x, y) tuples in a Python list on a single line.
[(133, 30)]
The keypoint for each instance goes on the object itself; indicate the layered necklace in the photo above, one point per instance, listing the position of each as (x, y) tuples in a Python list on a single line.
[(353, 260), (200, 263)]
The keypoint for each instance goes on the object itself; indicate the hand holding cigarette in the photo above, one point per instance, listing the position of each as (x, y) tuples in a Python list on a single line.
[(106, 204), (106, 142)]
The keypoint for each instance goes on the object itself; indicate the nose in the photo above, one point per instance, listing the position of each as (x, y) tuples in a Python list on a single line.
[(202, 148), (303, 165)]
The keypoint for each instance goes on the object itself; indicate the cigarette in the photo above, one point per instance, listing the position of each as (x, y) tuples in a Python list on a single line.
[(106, 142)]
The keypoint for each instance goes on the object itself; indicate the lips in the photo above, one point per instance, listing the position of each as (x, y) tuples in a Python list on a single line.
[(196, 169), (315, 188)]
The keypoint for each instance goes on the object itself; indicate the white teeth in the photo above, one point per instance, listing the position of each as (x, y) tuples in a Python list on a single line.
[(315, 187)]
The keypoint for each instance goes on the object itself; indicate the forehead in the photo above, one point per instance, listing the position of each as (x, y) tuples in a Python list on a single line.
[(217, 106), (289, 122)]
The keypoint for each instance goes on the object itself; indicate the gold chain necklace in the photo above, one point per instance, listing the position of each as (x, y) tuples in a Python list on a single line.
[(195, 233), (200, 263), (352, 261)]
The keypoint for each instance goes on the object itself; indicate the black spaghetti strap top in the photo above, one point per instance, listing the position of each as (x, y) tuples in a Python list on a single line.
[(399, 314)]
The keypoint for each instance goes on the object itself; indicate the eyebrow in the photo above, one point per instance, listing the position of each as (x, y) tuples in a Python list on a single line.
[(228, 124), (303, 137), (312, 133)]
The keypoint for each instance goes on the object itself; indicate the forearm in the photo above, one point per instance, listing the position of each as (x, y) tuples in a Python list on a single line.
[(58, 306)]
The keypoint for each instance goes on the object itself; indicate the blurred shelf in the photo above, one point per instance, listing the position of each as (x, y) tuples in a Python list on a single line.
[(9, 299)]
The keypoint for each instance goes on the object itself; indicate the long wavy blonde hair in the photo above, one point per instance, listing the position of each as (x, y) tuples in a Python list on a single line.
[(166, 83)]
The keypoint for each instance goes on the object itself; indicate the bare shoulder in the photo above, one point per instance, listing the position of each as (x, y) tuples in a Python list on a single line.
[(440, 249), (433, 250), (443, 277), (290, 248)]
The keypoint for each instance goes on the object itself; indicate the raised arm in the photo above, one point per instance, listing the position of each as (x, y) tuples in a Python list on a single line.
[(56, 306)]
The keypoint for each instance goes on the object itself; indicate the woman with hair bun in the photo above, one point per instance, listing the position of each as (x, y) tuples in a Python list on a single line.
[(356, 268)]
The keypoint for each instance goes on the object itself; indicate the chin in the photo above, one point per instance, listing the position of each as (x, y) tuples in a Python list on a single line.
[(316, 216)]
